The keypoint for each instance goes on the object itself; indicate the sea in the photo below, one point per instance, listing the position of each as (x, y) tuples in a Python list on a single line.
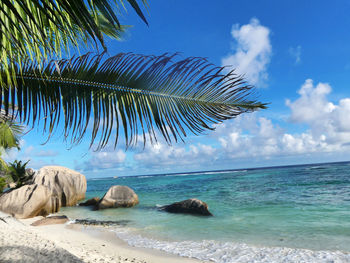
[(275, 214)]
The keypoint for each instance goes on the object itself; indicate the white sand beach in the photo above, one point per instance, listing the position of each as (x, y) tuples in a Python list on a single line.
[(21, 242)]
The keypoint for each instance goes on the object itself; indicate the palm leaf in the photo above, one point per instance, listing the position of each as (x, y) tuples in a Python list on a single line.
[(10, 133), (135, 93), (39, 29)]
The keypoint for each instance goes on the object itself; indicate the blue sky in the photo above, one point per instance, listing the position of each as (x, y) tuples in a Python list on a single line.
[(296, 54)]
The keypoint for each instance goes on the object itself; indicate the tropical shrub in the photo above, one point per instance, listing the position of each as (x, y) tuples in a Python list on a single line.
[(17, 171), (2, 184)]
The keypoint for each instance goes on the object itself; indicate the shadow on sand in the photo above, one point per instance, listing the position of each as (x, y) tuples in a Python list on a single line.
[(25, 254)]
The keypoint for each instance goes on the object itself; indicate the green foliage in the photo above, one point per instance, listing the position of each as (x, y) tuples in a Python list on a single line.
[(2, 184), (3, 166), (131, 91), (10, 133), (17, 171), (38, 29)]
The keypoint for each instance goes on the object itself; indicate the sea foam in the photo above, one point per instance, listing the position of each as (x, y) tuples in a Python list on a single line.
[(227, 252)]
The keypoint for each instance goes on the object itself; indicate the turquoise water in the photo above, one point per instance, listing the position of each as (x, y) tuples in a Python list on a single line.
[(295, 207)]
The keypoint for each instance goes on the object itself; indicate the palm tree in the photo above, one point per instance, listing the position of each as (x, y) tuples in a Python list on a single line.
[(10, 133), (127, 91)]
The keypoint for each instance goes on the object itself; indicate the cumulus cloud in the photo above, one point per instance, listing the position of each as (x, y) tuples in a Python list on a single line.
[(252, 137), (160, 156), (295, 53), (104, 159), (268, 140), (252, 51), (327, 120), (262, 139)]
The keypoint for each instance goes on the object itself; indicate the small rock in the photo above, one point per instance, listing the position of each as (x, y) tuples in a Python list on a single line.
[(189, 206), (51, 220), (90, 202), (101, 223)]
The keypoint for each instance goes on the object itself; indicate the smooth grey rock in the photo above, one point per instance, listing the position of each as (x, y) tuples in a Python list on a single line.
[(67, 185), (29, 201), (118, 196)]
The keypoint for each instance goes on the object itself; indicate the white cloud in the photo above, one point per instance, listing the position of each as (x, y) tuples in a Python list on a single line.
[(295, 53), (252, 137), (326, 119), (328, 128), (312, 103), (252, 51), (263, 139), (104, 159), (162, 156)]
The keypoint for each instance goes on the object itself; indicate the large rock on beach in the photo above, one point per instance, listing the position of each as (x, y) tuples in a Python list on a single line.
[(67, 185), (91, 202), (118, 196), (29, 201), (189, 206)]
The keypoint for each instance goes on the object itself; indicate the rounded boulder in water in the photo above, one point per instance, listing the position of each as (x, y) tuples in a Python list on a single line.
[(119, 196), (189, 206)]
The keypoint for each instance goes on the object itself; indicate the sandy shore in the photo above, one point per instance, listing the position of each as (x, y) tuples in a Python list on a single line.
[(20, 242)]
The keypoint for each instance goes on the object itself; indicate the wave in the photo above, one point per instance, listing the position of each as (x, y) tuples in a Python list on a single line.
[(98, 179), (227, 252), (187, 174), (236, 171), (145, 176), (221, 172), (184, 174), (317, 168), (205, 173)]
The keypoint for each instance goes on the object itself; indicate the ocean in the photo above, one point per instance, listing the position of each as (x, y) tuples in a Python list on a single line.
[(277, 214)]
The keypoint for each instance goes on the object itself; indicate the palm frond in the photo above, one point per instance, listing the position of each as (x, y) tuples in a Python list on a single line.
[(39, 29), (135, 93), (10, 133)]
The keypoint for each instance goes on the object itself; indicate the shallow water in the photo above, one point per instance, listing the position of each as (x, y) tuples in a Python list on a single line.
[(296, 207)]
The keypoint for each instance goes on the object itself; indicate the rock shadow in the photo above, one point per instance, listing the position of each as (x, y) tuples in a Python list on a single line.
[(26, 254)]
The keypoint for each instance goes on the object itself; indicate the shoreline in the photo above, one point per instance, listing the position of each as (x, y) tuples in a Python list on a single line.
[(21, 242)]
